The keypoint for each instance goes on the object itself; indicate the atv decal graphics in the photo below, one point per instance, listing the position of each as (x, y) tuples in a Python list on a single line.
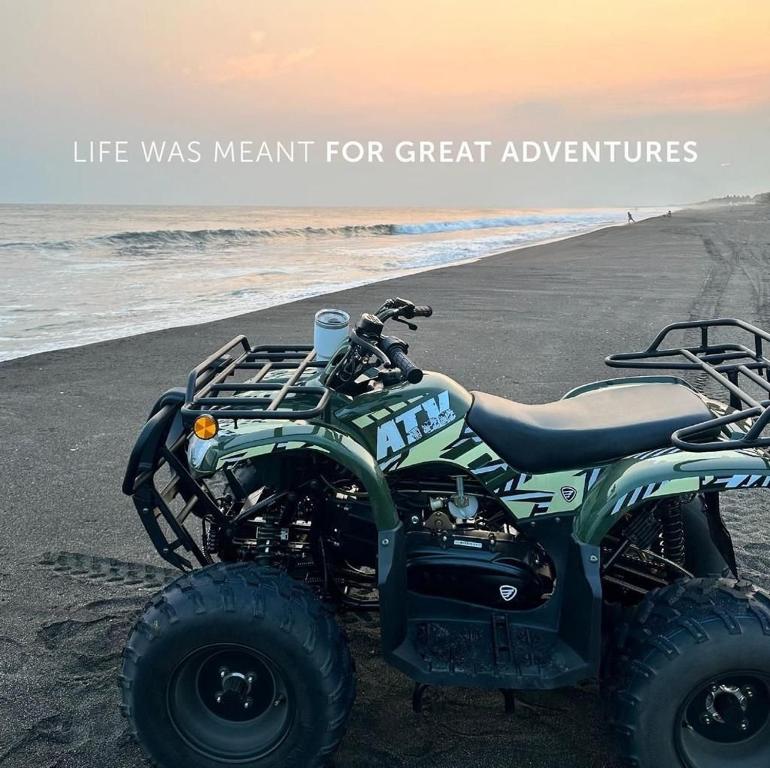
[(682, 485), (592, 475), (694, 483), (735, 481), (654, 454), (524, 495), (413, 424), (638, 494)]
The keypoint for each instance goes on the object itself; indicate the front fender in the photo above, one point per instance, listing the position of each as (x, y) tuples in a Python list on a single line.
[(666, 472), (258, 438), (207, 456)]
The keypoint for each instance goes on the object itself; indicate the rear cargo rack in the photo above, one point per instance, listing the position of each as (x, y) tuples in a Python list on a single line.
[(731, 365), (211, 385)]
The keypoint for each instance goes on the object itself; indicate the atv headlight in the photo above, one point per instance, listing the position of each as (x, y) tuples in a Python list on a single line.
[(205, 427)]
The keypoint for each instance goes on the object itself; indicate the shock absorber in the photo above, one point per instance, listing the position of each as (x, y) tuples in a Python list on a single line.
[(212, 540), (672, 536), (267, 538)]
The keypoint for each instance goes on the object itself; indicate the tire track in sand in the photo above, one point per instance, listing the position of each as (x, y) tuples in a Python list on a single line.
[(737, 284)]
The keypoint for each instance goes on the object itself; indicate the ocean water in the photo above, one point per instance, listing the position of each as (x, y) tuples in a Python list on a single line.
[(75, 274)]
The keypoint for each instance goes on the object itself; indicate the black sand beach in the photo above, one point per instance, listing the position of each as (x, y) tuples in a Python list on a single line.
[(528, 325)]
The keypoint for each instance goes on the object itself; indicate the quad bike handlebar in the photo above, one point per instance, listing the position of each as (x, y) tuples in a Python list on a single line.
[(370, 327), (368, 341), (395, 350), (399, 309)]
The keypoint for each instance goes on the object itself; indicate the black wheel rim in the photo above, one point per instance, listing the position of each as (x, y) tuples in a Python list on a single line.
[(726, 721), (230, 703)]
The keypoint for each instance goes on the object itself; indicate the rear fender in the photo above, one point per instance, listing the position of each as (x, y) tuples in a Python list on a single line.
[(664, 472), (625, 382)]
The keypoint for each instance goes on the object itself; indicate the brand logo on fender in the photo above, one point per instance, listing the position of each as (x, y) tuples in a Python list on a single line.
[(413, 424), (568, 493), (507, 592)]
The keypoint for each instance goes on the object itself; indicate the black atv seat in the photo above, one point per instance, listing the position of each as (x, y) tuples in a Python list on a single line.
[(590, 428)]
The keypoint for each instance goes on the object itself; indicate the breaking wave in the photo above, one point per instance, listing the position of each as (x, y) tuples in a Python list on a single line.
[(495, 222), (204, 237), (80, 274)]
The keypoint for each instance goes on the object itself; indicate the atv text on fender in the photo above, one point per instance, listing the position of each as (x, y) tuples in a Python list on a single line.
[(506, 546)]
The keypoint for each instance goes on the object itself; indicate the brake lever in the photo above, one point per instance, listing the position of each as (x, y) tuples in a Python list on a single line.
[(393, 307), (410, 326)]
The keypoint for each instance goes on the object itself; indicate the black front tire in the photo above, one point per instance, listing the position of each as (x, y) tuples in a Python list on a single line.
[(695, 690), (237, 665)]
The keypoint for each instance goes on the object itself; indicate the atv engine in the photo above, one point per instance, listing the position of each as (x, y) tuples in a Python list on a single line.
[(320, 530), (461, 547), (495, 570)]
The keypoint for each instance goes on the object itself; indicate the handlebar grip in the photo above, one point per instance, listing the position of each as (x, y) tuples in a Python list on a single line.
[(411, 372), (423, 311)]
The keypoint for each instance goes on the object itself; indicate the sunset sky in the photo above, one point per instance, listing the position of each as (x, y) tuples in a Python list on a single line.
[(312, 69)]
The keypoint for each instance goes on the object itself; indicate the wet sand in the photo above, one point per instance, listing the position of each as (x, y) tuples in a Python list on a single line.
[(76, 565)]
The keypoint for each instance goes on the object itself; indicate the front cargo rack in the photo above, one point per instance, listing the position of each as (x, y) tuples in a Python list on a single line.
[(211, 385), (158, 477), (729, 364)]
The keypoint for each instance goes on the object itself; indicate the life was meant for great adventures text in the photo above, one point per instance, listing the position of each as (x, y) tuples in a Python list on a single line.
[(374, 151)]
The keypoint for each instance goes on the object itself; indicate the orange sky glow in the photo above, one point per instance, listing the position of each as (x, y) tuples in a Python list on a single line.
[(676, 55), (391, 68), (686, 54)]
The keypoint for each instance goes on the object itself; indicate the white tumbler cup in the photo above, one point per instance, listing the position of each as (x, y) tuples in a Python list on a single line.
[(330, 330)]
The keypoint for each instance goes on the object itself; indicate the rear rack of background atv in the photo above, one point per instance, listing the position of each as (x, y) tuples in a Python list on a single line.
[(731, 365), (207, 382)]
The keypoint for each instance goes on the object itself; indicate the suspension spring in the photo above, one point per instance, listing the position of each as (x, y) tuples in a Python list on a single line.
[(267, 538), (672, 535), (212, 540)]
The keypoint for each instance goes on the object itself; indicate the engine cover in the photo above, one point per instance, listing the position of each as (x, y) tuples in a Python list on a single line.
[(479, 567)]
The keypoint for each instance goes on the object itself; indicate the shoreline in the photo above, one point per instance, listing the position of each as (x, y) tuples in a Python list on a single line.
[(334, 289), (528, 325)]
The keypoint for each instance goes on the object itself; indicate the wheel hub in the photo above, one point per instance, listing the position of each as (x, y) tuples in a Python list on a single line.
[(724, 700), (729, 710), (237, 685), (230, 703)]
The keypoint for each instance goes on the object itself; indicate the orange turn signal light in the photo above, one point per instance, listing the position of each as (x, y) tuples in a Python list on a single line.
[(205, 427)]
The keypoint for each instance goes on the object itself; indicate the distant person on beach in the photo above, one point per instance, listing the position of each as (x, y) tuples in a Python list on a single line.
[(669, 214), (630, 218)]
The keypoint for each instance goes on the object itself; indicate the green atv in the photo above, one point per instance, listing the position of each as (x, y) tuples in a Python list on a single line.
[(505, 546)]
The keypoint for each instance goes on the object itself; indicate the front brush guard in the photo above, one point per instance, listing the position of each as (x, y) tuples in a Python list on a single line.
[(163, 442)]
